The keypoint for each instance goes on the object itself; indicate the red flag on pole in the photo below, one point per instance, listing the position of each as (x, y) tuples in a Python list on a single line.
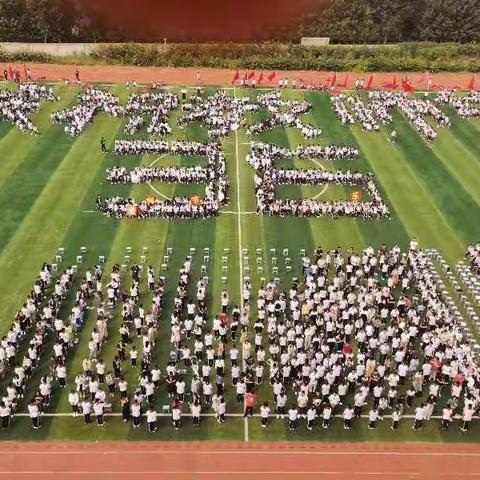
[(25, 72), (471, 84), (425, 78), (260, 78), (407, 86), (344, 84), (333, 81), (391, 85), (245, 75), (11, 73), (251, 75), (236, 77), (271, 76), (369, 83)]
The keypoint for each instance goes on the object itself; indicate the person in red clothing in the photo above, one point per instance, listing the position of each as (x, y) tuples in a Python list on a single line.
[(250, 402), (347, 349)]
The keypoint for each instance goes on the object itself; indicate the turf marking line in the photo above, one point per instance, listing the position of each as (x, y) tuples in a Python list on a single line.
[(239, 227), (150, 184), (245, 421)]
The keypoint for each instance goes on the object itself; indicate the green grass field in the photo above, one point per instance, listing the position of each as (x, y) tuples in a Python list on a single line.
[(48, 187)]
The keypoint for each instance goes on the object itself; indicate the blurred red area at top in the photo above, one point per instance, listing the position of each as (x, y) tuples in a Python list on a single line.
[(200, 20)]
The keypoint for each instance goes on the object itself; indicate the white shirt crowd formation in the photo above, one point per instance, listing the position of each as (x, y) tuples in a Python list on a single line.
[(347, 341), (213, 176), (466, 106), (283, 113), (473, 255), (95, 100), (262, 157), (350, 110), (17, 105), (221, 113)]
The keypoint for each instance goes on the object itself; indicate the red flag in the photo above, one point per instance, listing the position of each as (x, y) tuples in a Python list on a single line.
[(25, 71), (369, 82), (344, 84), (271, 76), (407, 86), (260, 78), (251, 75), (333, 80), (391, 85), (245, 75), (425, 78), (236, 77), (471, 84), (10, 72)]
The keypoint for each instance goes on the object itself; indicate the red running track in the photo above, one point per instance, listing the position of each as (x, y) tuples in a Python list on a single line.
[(232, 460)]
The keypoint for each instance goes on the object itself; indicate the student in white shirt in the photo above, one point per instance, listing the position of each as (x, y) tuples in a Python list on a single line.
[(177, 416), (99, 409), (292, 418), (311, 415), (347, 417), (136, 411), (468, 412), (152, 419), (264, 414), (372, 418), (5, 414), (196, 409), (34, 413), (419, 417), (395, 418), (73, 400)]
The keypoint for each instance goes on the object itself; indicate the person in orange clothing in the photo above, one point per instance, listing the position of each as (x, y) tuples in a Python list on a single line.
[(250, 402)]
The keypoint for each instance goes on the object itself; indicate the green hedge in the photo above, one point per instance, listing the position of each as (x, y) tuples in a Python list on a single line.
[(402, 57), (25, 56)]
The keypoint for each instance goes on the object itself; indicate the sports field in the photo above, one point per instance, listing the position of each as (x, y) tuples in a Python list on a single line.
[(49, 184)]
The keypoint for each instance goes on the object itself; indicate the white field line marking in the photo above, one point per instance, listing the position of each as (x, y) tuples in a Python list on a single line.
[(228, 212), (149, 183), (325, 188), (245, 421), (239, 227)]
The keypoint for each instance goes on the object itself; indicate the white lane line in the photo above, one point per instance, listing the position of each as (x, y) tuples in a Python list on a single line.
[(245, 420), (213, 472), (325, 188), (149, 183), (238, 213), (239, 227)]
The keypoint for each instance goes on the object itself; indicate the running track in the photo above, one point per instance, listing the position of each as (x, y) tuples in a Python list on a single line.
[(232, 460)]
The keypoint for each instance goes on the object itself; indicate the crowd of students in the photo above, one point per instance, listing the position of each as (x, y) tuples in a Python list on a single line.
[(95, 100), (473, 256), (267, 179), (37, 318), (213, 176), (17, 105), (361, 335), (351, 109), (283, 113), (466, 106), (220, 113)]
